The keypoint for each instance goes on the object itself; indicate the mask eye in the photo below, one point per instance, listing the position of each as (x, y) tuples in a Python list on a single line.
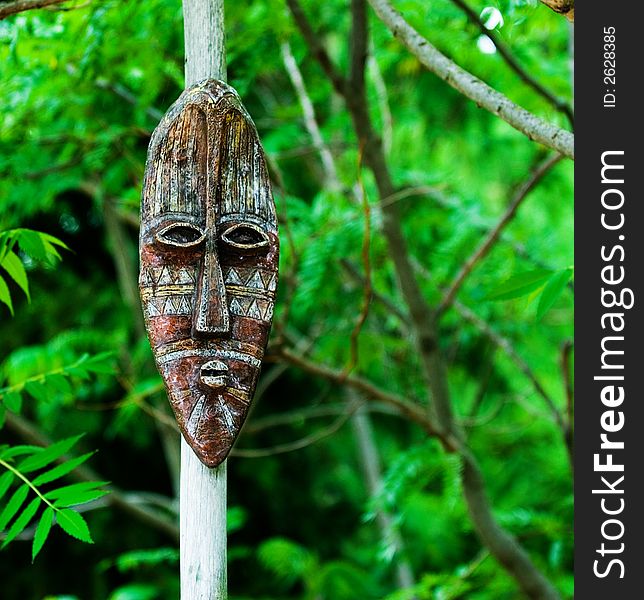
[(245, 237), (181, 235)]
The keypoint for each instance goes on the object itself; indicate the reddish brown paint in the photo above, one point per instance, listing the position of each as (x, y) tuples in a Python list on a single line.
[(209, 254)]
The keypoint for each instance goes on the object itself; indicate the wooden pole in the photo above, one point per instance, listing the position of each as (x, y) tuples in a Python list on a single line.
[(202, 505), (202, 496)]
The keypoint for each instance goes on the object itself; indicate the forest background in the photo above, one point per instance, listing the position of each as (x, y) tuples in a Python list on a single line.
[(412, 431)]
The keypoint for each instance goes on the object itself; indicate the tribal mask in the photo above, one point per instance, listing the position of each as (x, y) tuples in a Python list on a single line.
[(209, 256)]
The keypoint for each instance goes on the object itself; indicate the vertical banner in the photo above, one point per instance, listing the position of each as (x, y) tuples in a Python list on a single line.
[(609, 249)]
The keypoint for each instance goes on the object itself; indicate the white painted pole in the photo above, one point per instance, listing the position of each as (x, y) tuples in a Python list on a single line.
[(202, 506), (202, 499)]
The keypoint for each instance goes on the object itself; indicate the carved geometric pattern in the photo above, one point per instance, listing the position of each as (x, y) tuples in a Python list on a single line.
[(169, 305), (252, 278), (251, 307), (168, 275)]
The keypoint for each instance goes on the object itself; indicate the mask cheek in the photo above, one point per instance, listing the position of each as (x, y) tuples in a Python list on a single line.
[(181, 380), (242, 378)]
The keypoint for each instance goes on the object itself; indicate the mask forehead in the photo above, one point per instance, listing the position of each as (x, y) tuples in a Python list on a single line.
[(209, 255), (207, 145), (241, 196)]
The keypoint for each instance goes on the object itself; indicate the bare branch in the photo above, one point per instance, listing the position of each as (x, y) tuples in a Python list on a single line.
[(12, 8), (422, 318), (496, 338), (386, 302), (566, 353), (509, 349), (358, 49), (563, 7), (500, 543), (494, 234), (125, 94), (125, 270), (296, 417), (69, 164), (453, 203), (513, 63), (406, 407), (485, 96), (304, 442), (313, 42), (368, 286), (503, 546), (290, 278), (330, 172), (372, 475)]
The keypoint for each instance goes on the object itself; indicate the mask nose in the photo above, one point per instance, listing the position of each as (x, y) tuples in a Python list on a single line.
[(211, 308)]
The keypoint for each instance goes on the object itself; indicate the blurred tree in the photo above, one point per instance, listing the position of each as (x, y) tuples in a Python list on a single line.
[(425, 297)]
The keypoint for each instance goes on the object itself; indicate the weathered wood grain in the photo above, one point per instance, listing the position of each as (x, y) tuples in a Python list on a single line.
[(209, 256), (202, 528)]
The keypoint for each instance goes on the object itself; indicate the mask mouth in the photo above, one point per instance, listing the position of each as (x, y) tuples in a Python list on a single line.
[(213, 374)]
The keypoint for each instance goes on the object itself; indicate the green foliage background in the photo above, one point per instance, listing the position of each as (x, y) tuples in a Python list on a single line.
[(82, 91)]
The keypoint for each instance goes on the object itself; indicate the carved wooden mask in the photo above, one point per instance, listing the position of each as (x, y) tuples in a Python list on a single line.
[(209, 255)]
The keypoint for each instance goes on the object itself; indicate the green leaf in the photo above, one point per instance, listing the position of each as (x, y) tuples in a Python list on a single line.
[(551, 292), (5, 482), (57, 384), (12, 400), (5, 296), (32, 244), (74, 488), (61, 470), (3, 415), (520, 285), (286, 559), (135, 591), (14, 504), (86, 364), (13, 265), (14, 451), (49, 242), (37, 390), (42, 531), (79, 498), (78, 368), (22, 521), (130, 561), (50, 239), (73, 523), (47, 455), (101, 363)]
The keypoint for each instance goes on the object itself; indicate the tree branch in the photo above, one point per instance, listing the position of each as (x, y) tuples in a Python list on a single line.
[(313, 42), (372, 475), (494, 233), (496, 338), (470, 86), (12, 8), (308, 440), (563, 7), (310, 122), (409, 409), (501, 544), (566, 352), (513, 63)]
